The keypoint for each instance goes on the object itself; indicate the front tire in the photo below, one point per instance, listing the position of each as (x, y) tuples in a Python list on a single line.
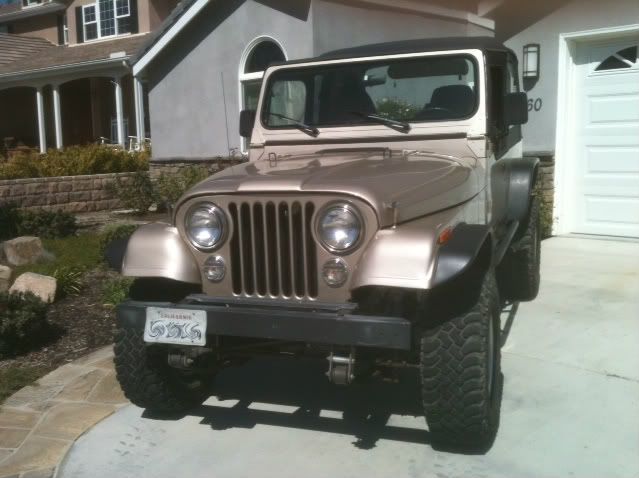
[(145, 376), (461, 375)]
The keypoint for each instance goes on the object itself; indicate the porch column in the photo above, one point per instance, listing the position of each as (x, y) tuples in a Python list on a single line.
[(41, 127), (57, 116), (118, 110), (138, 94)]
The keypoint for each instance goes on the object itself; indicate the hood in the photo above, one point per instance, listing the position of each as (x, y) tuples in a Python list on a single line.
[(414, 183)]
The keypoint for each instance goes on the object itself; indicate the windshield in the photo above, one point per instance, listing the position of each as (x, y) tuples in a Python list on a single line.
[(407, 90)]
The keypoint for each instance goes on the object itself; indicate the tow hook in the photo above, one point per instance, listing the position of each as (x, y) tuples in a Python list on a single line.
[(341, 368)]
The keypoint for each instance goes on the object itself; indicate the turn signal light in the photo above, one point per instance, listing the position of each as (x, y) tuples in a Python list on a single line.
[(445, 235)]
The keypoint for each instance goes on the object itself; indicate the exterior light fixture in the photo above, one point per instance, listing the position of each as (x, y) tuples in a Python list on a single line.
[(531, 60)]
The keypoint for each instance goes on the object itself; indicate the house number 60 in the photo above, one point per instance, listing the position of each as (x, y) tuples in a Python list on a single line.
[(535, 104)]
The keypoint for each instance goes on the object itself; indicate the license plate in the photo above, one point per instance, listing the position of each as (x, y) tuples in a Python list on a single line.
[(175, 326)]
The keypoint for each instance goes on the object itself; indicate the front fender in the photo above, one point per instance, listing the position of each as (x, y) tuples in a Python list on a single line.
[(404, 256), (157, 250)]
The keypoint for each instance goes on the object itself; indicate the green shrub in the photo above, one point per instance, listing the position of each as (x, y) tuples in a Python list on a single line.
[(114, 291), (73, 161), (396, 109), (22, 321), (113, 233), (9, 218), (81, 252), (136, 192), (170, 187), (47, 224), (69, 280)]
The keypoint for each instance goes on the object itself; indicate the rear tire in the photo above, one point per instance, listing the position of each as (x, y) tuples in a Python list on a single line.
[(143, 371), (519, 272), (461, 375)]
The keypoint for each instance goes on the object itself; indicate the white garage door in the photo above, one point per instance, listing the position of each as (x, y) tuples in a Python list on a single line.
[(605, 162)]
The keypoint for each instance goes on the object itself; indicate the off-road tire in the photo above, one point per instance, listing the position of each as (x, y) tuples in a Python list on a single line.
[(519, 271), (461, 398), (143, 371), (148, 381)]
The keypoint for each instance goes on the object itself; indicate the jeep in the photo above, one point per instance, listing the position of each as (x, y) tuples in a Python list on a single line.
[(383, 219)]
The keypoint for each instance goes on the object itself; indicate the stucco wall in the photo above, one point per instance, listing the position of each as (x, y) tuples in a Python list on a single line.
[(44, 26), (336, 25), (567, 17), (187, 104), (190, 115)]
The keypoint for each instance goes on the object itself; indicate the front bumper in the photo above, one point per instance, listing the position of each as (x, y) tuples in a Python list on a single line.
[(320, 323)]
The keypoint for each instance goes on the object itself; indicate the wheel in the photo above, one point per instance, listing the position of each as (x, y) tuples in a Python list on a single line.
[(519, 274), (461, 375), (143, 371)]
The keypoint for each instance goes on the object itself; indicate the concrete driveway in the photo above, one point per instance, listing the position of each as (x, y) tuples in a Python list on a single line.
[(570, 408)]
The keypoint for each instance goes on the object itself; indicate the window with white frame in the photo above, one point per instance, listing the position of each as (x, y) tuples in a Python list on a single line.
[(259, 55), (33, 3), (106, 18)]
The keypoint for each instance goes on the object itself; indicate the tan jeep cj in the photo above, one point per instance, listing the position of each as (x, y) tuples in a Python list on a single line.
[(383, 218)]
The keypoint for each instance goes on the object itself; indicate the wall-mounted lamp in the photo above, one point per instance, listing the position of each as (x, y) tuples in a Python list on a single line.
[(531, 60)]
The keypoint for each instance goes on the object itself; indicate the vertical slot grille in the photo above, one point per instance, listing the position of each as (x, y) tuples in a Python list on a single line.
[(273, 252)]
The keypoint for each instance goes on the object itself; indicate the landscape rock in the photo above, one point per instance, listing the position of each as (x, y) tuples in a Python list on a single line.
[(5, 276), (41, 286), (23, 250)]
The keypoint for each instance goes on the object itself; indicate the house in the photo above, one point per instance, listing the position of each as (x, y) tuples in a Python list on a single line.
[(578, 65), (64, 76)]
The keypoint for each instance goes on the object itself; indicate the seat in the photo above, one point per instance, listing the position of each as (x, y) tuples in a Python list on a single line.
[(341, 96), (459, 99)]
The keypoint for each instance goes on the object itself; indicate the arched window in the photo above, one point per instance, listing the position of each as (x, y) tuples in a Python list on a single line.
[(260, 53)]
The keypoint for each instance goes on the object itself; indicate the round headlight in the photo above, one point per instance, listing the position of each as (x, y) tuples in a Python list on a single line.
[(205, 225), (339, 228)]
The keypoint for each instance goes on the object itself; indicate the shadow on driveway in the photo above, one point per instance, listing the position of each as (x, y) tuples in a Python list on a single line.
[(362, 409)]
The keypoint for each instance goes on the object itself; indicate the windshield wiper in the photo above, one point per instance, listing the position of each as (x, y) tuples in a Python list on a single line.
[(402, 126), (309, 130)]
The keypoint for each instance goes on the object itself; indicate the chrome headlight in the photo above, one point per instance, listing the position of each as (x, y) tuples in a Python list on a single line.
[(205, 226), (339, 228)]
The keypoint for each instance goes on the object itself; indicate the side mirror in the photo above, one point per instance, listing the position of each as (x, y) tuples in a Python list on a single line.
[(247, 120), (515, 109)]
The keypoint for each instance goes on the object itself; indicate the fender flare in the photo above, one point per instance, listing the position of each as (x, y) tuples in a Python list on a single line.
[(521, 183), (461, 251), (157, 250)]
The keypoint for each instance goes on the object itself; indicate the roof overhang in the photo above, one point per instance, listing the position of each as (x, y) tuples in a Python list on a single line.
[(28, 12), (164, 39), (66, 72)]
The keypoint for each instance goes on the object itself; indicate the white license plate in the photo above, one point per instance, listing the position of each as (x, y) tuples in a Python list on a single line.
[(175, 326)]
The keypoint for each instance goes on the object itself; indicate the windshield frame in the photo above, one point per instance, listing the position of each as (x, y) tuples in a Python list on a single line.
[(373, 61)]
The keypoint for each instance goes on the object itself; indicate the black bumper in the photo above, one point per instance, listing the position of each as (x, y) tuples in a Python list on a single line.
[(331, 324)]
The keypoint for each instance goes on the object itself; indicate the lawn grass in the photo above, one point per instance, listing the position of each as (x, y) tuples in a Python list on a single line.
[(74, 252), (15, 377)]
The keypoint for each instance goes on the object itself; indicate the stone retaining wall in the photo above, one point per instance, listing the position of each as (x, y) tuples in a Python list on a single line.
[(175, 165), (67, 193)]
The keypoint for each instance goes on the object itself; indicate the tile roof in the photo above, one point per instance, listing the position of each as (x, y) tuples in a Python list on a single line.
[(60, 56), (14, 47)]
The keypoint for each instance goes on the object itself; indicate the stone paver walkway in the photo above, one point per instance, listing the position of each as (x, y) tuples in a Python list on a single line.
[(39, 423)]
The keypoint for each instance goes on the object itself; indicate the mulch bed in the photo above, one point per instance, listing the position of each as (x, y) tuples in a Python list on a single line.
[(79, 325)]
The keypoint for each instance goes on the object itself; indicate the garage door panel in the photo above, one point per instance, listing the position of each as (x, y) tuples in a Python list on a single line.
[(622, 210), (617, 108), (612, 159)]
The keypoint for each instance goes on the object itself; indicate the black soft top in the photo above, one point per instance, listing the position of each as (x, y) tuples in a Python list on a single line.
[(410, 46), (416, 46)]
